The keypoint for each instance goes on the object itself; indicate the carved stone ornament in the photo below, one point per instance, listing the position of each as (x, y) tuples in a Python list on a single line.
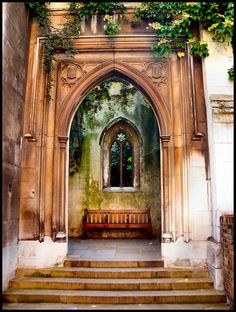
[(141, 66), (70, 74), (157, 72), (63, 141)]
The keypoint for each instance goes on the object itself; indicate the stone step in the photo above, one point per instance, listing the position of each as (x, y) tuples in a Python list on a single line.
[(111, 284), (112, 272), (112, 264), (124, 307), (114, 297)]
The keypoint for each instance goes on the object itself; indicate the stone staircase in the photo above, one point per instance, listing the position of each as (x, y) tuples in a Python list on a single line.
[(116, 283)]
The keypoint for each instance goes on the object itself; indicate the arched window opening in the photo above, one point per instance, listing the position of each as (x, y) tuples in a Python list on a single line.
[(121, 162), (121, 152)]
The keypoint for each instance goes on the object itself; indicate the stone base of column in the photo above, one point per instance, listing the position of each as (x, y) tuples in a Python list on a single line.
[(184, 254), (45, 254), (215, 264)]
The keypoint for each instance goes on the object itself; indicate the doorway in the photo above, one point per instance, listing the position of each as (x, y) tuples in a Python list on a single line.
[(117, 110)]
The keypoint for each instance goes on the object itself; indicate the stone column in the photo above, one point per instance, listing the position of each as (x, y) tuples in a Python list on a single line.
[(61, 234), (166, 215)]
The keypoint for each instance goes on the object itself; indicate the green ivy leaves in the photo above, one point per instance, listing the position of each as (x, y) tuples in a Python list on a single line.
[(173, 21), (231, 73), (177, 21)]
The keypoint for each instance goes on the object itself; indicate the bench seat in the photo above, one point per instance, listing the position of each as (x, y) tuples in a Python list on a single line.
[(117, 219)]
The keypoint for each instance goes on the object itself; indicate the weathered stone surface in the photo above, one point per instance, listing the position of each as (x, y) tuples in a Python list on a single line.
[(15, 56), (214, 255), (10, 233), (44, 178)]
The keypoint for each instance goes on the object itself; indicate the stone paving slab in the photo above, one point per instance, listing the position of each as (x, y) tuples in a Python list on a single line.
[(117, 249)]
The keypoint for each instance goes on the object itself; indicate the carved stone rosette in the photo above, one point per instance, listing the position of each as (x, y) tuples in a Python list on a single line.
[(70, 74)]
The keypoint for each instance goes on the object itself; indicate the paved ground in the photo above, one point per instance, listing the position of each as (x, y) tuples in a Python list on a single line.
[(114, 249)]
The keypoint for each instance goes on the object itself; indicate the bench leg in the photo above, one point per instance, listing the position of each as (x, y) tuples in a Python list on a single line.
[(150, 233), (84, 233)]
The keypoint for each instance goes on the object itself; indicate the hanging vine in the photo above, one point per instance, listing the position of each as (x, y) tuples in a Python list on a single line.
[(178, 21), (173, 22), (84, 10), (53, 39), (91, 104)]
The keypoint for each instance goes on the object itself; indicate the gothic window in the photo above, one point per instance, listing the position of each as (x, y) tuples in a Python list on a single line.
[(120, 144), (121, 162)]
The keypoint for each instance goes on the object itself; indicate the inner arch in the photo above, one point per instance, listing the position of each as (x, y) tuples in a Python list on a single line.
[(135, 121), (102, 72)]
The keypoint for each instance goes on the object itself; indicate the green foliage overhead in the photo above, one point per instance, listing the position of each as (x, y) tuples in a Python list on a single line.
[(179, 21), (53, 39), (100, 93), (174, 22), (85, 10)]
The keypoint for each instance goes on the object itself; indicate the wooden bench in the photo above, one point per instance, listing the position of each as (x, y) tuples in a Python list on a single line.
[(117, 219)]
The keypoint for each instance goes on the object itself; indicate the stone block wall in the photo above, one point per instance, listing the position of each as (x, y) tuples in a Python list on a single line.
[(15, 41), (227, 241)]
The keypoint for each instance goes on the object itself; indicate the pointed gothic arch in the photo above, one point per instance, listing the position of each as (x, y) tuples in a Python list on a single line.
[(102, 72), (65, 115), (107, 138)]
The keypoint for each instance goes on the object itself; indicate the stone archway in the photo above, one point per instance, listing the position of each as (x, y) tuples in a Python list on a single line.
[(65, 116), (173, 86)]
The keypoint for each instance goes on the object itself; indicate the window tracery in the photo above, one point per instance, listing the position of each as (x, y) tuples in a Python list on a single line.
[(121, 146)]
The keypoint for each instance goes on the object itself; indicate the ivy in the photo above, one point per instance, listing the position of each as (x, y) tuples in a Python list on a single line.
[(77, 136), (41, 13), (93, 101), (177, 22), (54, 39), (112, 27), (89, 107), (231, 73), (85, 10), (174, 22)]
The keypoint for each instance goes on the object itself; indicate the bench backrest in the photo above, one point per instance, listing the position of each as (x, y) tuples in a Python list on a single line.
[(138, 216)]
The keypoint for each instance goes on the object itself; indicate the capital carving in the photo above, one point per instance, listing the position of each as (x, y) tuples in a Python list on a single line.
[(165, 139), (63, 140)]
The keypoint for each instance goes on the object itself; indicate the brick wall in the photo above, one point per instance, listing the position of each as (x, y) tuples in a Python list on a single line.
[(227, 241)]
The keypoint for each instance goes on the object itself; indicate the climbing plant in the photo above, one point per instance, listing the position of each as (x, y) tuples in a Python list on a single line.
[(85, 10), (77, 136), (53, 39), (179, 21), (173, 21), (91, 104)]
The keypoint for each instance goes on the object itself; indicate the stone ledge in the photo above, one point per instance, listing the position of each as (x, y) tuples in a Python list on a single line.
[(221, 97)]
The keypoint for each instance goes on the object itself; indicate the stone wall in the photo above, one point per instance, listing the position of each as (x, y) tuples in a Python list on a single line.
[(85, 187), (227, 241), (15, 56), (222, 161)]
